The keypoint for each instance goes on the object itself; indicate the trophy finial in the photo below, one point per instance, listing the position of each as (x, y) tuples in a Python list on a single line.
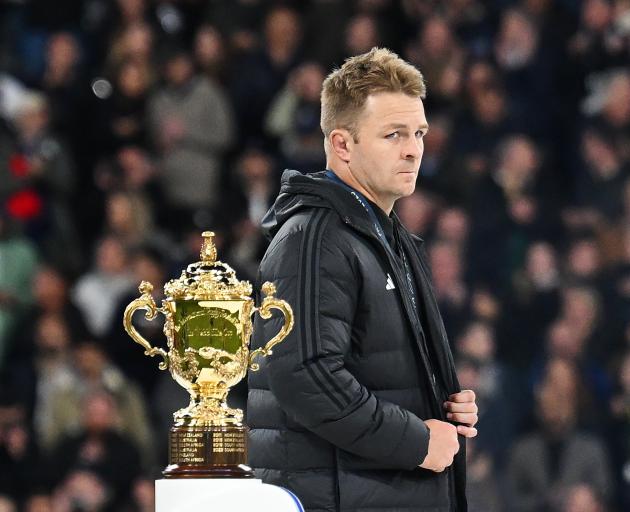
[(208, 249)]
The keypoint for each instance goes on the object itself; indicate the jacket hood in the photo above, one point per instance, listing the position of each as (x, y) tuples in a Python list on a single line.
[(316, 190)]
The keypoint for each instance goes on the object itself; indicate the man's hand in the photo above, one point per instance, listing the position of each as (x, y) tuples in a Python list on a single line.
[(443, 445), (461, 408)]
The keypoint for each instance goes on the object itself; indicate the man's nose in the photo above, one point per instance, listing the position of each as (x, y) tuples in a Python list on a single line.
[(413, 148)]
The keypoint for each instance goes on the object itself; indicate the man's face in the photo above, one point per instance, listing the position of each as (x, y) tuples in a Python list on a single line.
[(386, 158)]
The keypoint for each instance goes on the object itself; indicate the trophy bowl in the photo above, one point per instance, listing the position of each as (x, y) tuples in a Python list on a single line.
[(208, 325)]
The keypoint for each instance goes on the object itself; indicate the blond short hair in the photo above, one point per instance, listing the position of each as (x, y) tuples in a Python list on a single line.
[(346, 89)]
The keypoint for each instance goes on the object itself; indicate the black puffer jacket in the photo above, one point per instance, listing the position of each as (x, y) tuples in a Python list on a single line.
[(336, 412)]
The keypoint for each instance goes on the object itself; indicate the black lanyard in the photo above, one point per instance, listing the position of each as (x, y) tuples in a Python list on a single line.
[(379, 230)]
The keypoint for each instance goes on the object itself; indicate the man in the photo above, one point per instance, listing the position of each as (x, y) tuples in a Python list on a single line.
[(359, 408)]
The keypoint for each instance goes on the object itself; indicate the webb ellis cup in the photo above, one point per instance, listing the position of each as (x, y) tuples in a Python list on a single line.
[(208, 326)]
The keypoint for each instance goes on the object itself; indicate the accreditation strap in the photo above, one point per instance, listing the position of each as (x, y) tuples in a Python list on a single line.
[(361, 199)]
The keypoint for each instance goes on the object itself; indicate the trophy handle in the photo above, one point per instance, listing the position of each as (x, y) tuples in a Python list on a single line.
[(269, 303), (146, 302)]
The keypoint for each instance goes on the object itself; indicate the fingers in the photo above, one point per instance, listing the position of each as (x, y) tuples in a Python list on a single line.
[(467, 407), (470, 419), (461, 408), (465, 431), (467, 395)]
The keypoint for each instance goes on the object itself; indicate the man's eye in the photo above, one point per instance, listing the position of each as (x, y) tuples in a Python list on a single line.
[(420, 134), (393, 135)]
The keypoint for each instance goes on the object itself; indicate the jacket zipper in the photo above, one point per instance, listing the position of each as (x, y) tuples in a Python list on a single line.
[(418, 331)]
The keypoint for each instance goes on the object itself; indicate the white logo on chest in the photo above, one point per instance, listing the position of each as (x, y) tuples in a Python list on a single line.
[(390, 283)]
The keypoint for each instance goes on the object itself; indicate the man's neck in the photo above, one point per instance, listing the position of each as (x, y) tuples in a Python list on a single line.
[(348, 178)]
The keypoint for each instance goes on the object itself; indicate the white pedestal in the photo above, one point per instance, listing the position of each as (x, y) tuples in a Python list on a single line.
[(217, 494)]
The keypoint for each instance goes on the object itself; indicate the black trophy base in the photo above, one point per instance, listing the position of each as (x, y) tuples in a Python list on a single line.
[(208, 452)]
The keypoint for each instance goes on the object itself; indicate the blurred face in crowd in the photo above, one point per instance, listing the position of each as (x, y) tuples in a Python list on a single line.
[(111, 257), (361, 34), (51, 335), (7, 505), (137, 41), (99, 413), (282, 29), (446, 265), (436, 38), (147, 269), (437, 139), (90, 360), (39, 503), (582, 498), (49, 289), (416, 211), (489, 106), (179, 70), (468, 375), (617, 108), (596, 14), (478, 342), (517, 40), (600, 155), (209, 47), (452, 224), (580, 306), (584, 258), (255, 168), (385, 157), (133, 79), (556, 397), (563, 341), (308, 81), (541, 263), (62, 52), (132, 10), (32, 118)]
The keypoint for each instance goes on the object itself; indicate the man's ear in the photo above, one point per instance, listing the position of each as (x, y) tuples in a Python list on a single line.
[(341, 143)]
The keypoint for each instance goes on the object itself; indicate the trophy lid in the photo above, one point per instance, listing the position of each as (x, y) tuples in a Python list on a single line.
[(208, 279)]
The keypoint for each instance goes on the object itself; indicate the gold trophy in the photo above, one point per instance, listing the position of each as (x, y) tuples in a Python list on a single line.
[(208, 326)]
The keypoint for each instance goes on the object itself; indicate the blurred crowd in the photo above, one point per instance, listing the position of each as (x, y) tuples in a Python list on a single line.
[(127, 127)]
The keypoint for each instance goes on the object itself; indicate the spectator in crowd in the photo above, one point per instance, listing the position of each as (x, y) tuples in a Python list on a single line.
[(620, 442), (36, 379), (535, 303), (482, 488), (293, 118), (38, 182), (120, 117), (63, 82), (97, 292), (556, 455), (417, 211), (50, 297), (135, 42), (7, 504), (19, 455), (18, 257), (210, 51), (192, 125), (451, 290), (438, 53), (96, 465), (361, 34), (268, 68), (38, 502), (92, 372), (583, 498), (479, 369), (149, 265)]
